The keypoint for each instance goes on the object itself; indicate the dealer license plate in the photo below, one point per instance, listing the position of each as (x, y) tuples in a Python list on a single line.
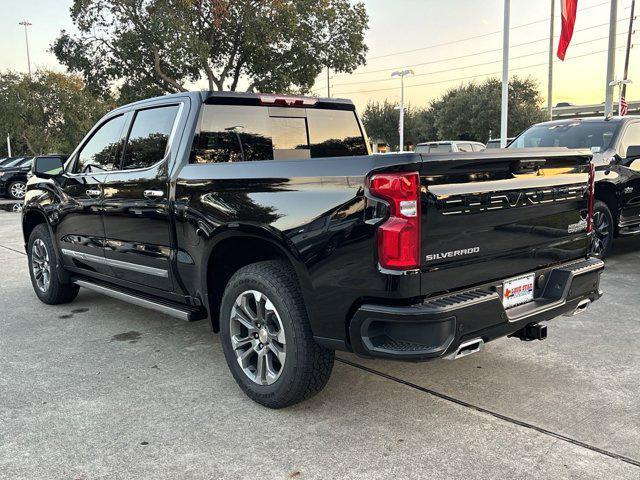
[(517, 291)]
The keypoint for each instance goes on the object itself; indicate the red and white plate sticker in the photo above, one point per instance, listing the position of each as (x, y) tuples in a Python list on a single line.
[(517, 291)]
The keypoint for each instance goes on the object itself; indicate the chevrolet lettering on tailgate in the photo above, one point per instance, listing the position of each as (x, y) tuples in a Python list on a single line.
[(476, 203)]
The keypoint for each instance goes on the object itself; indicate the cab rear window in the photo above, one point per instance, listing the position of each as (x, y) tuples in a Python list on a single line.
[(241, 133)]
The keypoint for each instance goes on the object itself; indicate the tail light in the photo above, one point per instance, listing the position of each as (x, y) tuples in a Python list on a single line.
[(399, 236), (592, 194)]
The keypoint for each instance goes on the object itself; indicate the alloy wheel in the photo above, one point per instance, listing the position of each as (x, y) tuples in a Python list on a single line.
[(18, 190), (601, 229), (40, 265), (257, 337)]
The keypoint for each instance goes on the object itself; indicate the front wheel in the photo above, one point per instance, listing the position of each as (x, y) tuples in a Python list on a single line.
[(44, 269), (266, 337), (603, 229)]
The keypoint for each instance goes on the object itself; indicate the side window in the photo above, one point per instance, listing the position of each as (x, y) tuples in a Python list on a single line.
[(99, 152), (478, 148), (631, 137), (464, 147), (148, 137)]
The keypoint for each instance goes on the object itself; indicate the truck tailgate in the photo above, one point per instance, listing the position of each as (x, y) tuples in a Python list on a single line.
[(503, 212)]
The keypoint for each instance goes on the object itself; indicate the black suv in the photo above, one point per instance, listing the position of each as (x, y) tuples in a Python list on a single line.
[(615, 143)]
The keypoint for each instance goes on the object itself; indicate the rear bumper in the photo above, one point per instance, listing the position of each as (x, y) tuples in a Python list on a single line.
[(438, 326)]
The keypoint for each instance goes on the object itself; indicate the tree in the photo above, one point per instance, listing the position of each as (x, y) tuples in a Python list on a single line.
[(50, 112), (381, 120), (470, 112), (381, 123), (466, 112), (157, 46)]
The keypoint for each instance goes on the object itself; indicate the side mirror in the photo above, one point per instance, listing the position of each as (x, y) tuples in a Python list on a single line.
[(633, 152), (47, 167)]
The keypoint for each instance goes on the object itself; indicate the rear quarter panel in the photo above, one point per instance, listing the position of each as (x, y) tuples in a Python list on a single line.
[(316, 210)]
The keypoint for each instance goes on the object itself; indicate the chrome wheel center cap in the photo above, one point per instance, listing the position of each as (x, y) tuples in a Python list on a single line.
[(263, 335)]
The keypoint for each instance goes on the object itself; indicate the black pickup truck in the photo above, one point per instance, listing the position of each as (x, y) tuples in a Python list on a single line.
[(268, 216), (615, 144)]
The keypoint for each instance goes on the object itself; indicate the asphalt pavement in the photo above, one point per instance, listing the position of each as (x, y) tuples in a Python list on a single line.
[(102, 389)]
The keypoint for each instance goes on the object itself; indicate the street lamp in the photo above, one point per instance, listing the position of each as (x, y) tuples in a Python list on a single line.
[(402, 74), (620, 83), (26, 24)]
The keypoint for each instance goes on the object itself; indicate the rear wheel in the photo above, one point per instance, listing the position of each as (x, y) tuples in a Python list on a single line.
[(603, 229), (267, 339), (17, 190), (44, 269)]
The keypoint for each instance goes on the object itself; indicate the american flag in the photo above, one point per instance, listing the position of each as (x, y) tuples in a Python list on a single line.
[(624, 107)]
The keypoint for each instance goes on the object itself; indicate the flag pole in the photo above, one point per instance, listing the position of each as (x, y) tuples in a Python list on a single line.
[(611, 60), (505, 77), (623, 93), (550, 82)]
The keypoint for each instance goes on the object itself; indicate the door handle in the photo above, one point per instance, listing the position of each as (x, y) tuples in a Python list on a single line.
[(93, 193), (153, 193)]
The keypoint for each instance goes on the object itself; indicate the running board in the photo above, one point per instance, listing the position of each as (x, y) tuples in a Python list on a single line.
[(181, 312)]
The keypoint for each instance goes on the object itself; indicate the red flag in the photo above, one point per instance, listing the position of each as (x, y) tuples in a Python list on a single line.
[(623, 108), (569, 8)]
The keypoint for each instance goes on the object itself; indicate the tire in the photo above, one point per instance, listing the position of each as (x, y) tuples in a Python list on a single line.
[(603, 230), (41, 255), (17, 190), (305, 367)]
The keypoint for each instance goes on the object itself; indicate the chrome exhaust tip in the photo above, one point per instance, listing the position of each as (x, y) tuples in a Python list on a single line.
[(582, 306), (466, 348)]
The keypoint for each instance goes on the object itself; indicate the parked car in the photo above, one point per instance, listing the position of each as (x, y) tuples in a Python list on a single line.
[(267, 215), (495, 142), (449, 146), (6, 160), (10, 161), (615, 143), (13, 178)]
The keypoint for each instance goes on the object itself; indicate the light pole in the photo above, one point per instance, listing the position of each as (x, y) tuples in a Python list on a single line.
[(504, 117), (611, 59), (402, 74), (26, 24), (550, 80)]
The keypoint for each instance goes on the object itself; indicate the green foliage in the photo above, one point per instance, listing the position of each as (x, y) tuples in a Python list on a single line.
[(50, 112), (381, 122), (158, 46), (467, 112)]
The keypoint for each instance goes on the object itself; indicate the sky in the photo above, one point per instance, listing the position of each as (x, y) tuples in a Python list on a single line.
[(435, 36)]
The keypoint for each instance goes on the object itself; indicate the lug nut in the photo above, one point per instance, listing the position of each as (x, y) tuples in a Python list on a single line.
[(260, 345)]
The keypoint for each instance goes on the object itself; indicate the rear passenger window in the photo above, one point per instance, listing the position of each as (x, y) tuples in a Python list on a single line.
[(464, 147), (149, 136), (241, 133)]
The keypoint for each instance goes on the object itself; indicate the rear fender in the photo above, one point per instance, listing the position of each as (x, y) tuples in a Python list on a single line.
[(275, 238)]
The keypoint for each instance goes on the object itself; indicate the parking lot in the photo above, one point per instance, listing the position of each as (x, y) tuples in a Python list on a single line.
[(103, 389)]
